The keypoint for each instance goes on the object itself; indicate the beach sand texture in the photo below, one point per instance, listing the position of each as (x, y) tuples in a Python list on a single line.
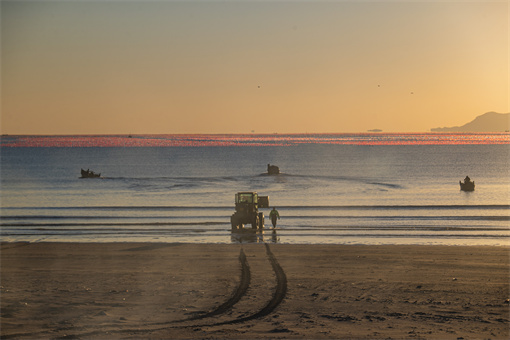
[(147, 290)]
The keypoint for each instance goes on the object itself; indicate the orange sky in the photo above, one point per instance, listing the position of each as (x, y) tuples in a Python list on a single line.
[(83, 67)]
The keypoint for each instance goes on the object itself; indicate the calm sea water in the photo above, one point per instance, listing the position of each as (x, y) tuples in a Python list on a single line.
[(380, 190)]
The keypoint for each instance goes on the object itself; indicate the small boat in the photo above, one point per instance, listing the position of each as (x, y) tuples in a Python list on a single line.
[(273, 170), (89, 174), (468, 185)]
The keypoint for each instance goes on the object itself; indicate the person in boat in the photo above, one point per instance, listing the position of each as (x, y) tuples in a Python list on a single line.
[(274, 216), (467, 179)]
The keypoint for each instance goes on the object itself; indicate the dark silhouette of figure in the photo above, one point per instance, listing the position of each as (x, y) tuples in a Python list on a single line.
[(274, 216), (468, 185)]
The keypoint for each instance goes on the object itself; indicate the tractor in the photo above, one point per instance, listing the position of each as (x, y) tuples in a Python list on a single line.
[(247, 210)]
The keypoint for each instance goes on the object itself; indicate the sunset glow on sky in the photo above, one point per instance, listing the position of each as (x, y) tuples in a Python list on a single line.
[(166, 67)]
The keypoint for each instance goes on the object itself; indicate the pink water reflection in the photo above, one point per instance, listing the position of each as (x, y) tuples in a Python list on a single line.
[(254, 140)]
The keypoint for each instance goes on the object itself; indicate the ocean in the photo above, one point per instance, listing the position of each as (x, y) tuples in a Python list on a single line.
[(333, 188)]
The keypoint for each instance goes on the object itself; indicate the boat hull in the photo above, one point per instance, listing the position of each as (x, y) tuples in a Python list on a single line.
[(273, 170), (469, 186), (89, 174)]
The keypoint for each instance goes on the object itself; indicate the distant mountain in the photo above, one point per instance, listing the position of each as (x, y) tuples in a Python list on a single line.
[(488, 122)]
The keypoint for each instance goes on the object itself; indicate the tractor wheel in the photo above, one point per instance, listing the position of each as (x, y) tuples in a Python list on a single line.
[(261, 220), (255, 223)]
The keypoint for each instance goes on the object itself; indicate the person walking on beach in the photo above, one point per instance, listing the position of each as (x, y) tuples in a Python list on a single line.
[(274, 215)]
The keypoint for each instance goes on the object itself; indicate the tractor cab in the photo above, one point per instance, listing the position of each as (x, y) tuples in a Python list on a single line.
[(251, 200)]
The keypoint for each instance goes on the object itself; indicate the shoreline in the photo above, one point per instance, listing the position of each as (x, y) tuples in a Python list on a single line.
[(272, 239), (183, 290)]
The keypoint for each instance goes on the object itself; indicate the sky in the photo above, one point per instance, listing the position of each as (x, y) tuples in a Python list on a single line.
[(165, 67)]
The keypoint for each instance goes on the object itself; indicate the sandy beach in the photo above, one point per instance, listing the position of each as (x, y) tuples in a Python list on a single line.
[(146, 290)]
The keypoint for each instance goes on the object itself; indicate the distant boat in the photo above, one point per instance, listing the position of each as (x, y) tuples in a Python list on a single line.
[(89, 174), (273, 170), (468, 185)]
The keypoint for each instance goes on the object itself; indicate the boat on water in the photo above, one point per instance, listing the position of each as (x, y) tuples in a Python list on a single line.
[(467, 185), (273, 170), (89, 174)]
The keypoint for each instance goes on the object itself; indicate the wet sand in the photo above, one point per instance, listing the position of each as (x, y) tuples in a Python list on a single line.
[(132, 291)]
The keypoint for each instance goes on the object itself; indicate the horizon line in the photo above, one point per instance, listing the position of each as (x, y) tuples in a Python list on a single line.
[(247, 133)]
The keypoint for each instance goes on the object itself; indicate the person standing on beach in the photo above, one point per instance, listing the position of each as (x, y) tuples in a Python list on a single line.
[(274, 215)]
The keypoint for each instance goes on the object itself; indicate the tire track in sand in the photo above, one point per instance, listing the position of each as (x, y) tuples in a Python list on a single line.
[(244, 284), (278, 296), (242, 288)]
